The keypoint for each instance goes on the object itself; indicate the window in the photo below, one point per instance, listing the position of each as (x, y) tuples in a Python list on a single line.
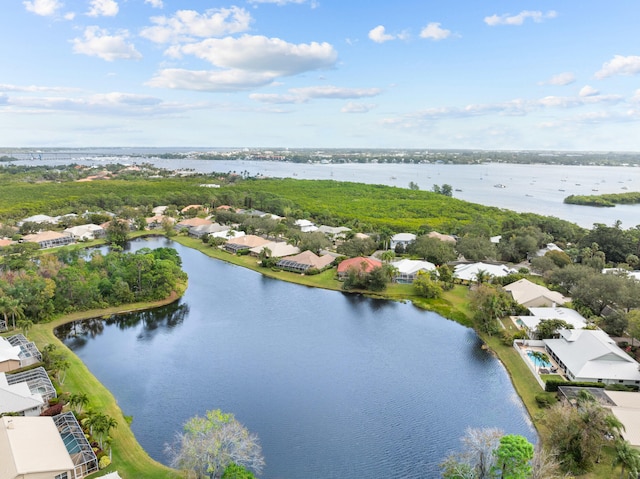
[(62, 476)]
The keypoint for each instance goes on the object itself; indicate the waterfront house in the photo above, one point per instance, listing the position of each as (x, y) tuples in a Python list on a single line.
[(530, 323), (190, 223), (201, 230), (49, 239), (469, 272), (408, 269), (401, 239), (304, 261), (156, 221), (246, 242), (592, 356), (17, 352), (361, 264), (532, 295), (18, 398), (86, 232), (278, 249)]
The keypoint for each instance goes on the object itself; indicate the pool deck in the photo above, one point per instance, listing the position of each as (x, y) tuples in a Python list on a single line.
[(555, 368)]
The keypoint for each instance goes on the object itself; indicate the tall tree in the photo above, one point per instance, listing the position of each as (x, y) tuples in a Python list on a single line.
[(513, 456), (210, 444)]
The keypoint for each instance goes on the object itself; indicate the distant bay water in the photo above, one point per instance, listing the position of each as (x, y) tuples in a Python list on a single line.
[(533, 188)]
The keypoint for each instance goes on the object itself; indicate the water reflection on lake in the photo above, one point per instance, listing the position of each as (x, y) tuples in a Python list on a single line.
[(335, 385)]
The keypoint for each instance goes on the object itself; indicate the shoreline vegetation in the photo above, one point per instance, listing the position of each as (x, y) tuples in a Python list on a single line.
[(131, 460), (605, 201)]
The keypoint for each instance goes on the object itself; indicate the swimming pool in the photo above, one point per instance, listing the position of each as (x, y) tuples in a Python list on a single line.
[(538, 362)]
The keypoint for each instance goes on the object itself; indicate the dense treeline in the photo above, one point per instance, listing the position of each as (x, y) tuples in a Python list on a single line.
[(40, 287), (607, 200)]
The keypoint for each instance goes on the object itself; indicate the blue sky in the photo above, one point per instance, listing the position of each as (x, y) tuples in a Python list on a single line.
[(321, 73)]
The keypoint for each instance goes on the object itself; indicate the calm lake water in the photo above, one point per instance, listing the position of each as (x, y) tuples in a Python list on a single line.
[(335, 385), (528, 188)]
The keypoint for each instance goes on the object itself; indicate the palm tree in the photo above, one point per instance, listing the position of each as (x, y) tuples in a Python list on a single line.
[(25, 325), (77, 401), (628, 458), (482, 276), (387, 256)]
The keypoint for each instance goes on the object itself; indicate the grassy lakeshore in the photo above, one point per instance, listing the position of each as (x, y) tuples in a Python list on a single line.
[(132, 461)]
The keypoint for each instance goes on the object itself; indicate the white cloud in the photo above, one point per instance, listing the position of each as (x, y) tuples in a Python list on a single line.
[(561, 79), (619, 65), (69, 16), (98, 42), (203, 80), (155, 3), (434, 31), (378, 35), (33, 88), (507, 19), (588, 91), (188, 24), (261, 54), (352, 107), (303, 95), (44, 8), (636, 97), (103, 8)]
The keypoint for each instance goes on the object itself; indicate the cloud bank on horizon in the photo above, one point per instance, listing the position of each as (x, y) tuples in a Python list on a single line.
[(320, 73)]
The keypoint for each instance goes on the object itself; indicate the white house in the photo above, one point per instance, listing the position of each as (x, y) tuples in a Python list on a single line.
[(278, 249), (401, 239), (547, 248), (306, 226), (592, 356), (530, 323), (469, 272), (531, 295), (18, 398), (86, 232), (408, 269)]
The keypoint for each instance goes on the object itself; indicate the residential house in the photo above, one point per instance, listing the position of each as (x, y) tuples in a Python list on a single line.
[(530, 323), (359, 263), (548, 247), (408, 269), (306, 226), (246, 242), (469, 272), (158, 220), (334, 232), (18, 398), (192, 223), (531, 295), (401, 239), (40, 219), (49, 239), (86, 232), (592, 356), (159, 210), (31, 448), (626, 409), (442, 237), (200, 231), (17, 352), (278, 249), (305, 261)]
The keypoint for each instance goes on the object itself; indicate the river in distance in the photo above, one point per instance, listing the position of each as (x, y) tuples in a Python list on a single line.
[(335, 385), (537, 188)]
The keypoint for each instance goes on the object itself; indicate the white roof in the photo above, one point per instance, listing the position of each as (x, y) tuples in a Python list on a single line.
[(524, 291), (278, 249), (403, 237), (468, 272), (593, 355), (39, 219), (81, 230), (17, 397), (30, 445), (411, 266), (227, 234), (303, 223), (547, 248), (333, 230), (159, 210), (627, 410), (8, 352), (570, 316)]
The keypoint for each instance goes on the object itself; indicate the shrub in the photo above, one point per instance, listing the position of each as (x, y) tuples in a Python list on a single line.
[(552, 385), (53, 410), (104, 462), (545, 400)]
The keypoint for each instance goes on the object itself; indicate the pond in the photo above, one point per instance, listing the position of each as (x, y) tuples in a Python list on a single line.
[(335, 385)]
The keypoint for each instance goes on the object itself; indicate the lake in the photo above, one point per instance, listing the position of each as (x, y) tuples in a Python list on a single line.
[(335, 385), (537, 189)]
